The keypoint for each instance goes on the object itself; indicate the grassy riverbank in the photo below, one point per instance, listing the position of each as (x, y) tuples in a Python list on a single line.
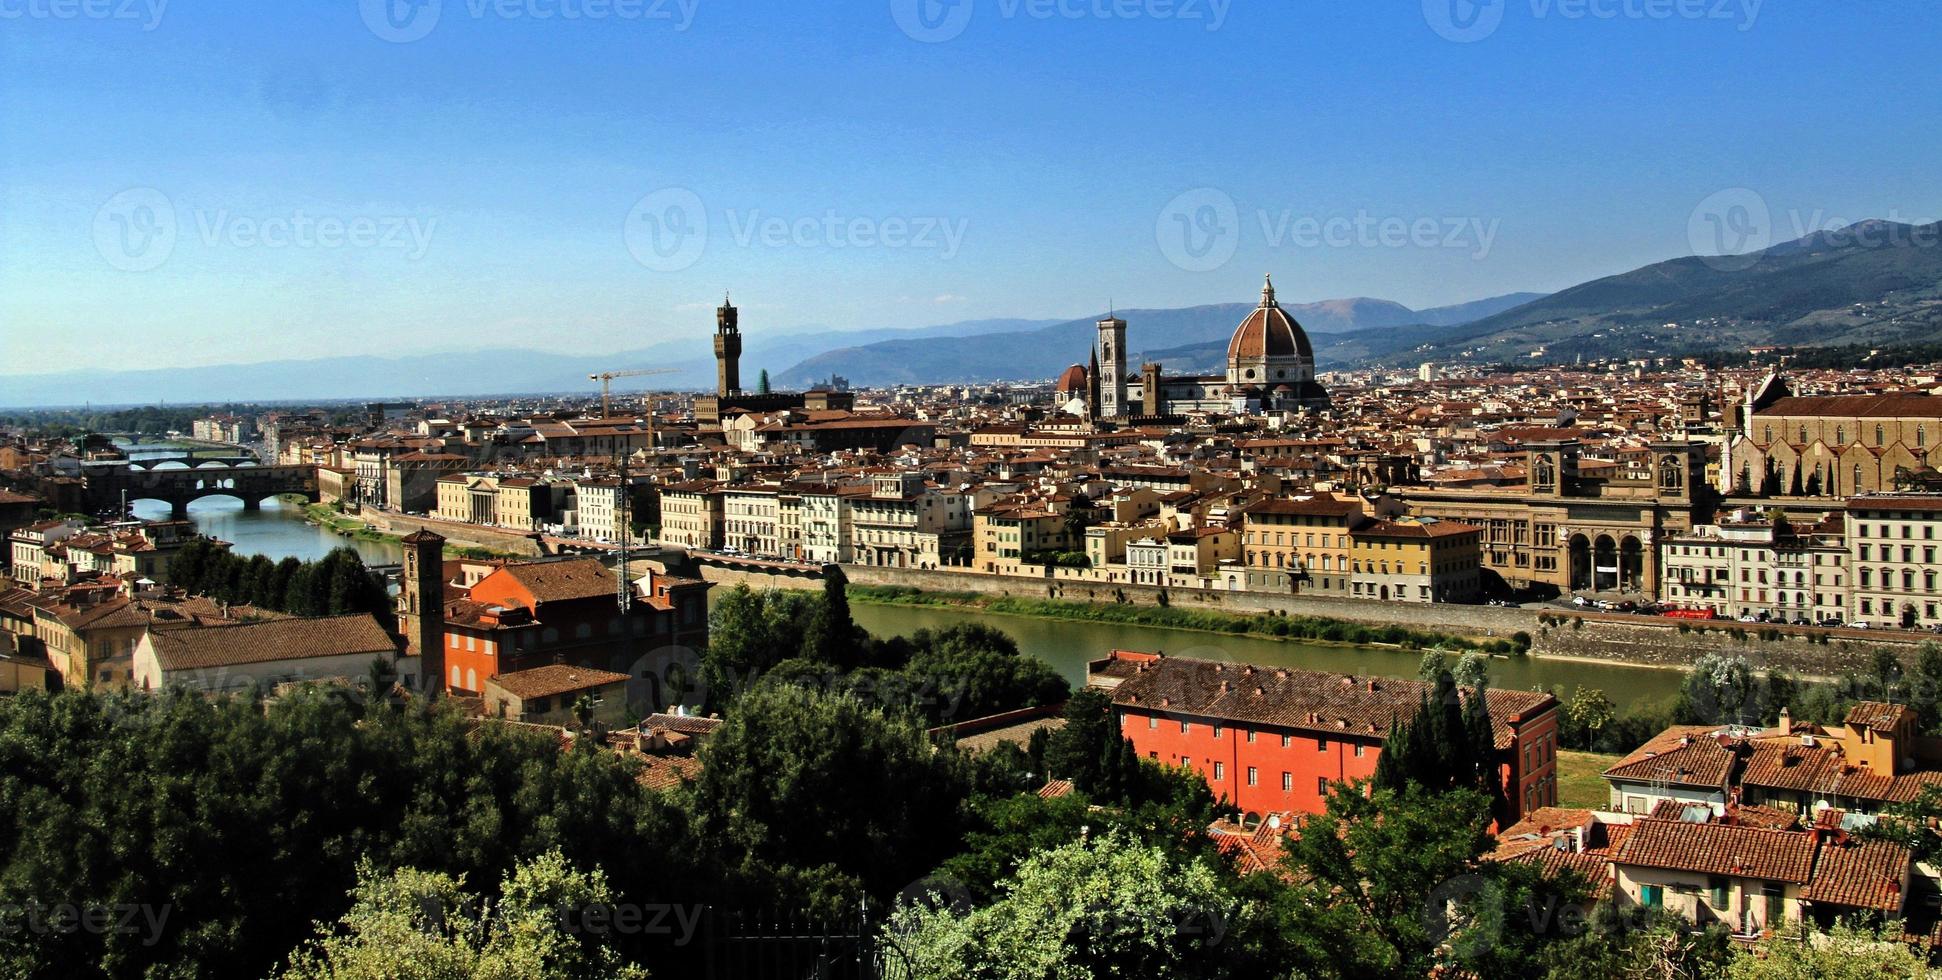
[(346, 525), (1268, 625)]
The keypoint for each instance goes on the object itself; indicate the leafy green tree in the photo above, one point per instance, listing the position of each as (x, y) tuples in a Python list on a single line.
[(749, 633), (824, 783), (1716, 690), (236, 824), (976, 670), (1372, 869), (1432, 664), (1588, 713), (1100, 906), (833, 636), (1472, 670), (422, 925), (1843, 952)]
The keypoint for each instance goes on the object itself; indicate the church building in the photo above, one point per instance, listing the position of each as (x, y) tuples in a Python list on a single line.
[(1270, 368)]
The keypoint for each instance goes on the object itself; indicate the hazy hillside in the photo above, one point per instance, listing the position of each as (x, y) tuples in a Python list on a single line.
[(1875, 283), (1044, 352), (487, 372)]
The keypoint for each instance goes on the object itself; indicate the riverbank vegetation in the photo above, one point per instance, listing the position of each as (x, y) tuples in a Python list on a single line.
[(1727, 689), (334, 520), (334, 585), (1315, 629)]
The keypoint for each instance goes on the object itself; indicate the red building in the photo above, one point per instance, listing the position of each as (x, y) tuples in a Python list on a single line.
[(524, 615), (1272, 740)]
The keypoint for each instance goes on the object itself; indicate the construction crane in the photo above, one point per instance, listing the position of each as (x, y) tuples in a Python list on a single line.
[(606, 380)]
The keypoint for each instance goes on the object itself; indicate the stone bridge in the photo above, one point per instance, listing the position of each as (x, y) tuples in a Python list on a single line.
[(246, 481)]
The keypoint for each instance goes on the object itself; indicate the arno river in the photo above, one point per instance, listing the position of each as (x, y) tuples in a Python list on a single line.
[(279, 530)]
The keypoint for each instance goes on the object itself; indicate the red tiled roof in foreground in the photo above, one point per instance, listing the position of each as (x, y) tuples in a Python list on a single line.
[(1860, 874), (1296, 699), (1717, 849)]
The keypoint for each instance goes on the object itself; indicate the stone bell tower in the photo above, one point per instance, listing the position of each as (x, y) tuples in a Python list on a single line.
[(1112, 368), (728, 350), (421, 607)]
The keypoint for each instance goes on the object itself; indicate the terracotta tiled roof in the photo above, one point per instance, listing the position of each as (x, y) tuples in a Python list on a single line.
[(563, 580), (1879, 716), (1856, 406), (665, 772), (552, 679), (1686, 755), (685, 724), (1299, 699), (281, 639), (1595, 869), (1860, 874), (1055, 788), (1710, 848)]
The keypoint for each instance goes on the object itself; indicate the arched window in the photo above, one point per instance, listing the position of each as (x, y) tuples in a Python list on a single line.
[(455, 675), (1880, 437), (1803, 435), (1840, 435), (471, 679), (1766, 434), (1857, 478)]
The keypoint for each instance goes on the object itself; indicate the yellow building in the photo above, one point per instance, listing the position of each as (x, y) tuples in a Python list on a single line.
[(1416, 561), (1301, 544)]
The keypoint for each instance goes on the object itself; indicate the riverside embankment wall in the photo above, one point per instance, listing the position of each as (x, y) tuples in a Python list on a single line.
[(1593, 636)]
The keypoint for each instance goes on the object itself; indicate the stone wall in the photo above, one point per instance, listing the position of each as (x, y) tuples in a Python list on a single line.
[(456, 535), (1617, 638), (1651, 643)]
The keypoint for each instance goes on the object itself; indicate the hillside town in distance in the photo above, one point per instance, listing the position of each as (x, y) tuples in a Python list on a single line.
[(557, 557)]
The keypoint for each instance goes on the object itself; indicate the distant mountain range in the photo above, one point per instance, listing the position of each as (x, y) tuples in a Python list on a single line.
[(1876, 283), (457, 374), (1047, 350)]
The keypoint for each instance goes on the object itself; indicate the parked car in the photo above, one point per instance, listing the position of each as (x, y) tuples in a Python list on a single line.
[(1578, 600), (1859, 624)]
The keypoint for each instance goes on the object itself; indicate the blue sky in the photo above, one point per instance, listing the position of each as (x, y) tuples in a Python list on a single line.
[(516, 177)]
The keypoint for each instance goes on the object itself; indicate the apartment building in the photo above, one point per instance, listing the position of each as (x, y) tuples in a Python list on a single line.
[(1301, 544), (1765, 567), (1412, 560), (1892, 557), (692, 516), (905, 523)]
